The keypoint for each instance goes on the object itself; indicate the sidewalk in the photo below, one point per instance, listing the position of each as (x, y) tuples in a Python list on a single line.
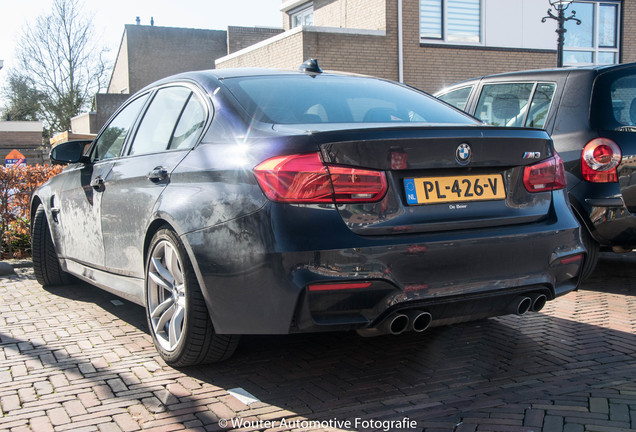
[(80, 359)]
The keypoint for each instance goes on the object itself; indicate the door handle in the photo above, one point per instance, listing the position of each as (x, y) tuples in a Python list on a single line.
[(157, 174), (98, 183)]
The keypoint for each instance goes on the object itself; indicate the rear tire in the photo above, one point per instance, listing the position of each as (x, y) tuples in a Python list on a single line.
[(177, 314), (46, 264), (593, 250)]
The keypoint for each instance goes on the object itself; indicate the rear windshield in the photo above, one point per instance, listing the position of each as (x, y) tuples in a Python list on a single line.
[(301, 99), (614, 101)]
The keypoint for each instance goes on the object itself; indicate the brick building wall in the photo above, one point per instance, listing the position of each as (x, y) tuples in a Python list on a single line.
[(354, 14), (432, 68), (364, 54), (628, 39), (281, 52), (149, 53), (26, 137), (370, 52), (243, 37), (119, 77)]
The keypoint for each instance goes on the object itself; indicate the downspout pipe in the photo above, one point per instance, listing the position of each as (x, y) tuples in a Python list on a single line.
[(400, 44)]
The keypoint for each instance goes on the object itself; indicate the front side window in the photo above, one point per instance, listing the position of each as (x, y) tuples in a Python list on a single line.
[(112, 138), (595, 40), (515, 104), (303, 16), (457, 98), (456, 21)]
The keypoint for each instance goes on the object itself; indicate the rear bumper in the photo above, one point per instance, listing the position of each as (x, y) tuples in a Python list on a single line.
[(255, 271)]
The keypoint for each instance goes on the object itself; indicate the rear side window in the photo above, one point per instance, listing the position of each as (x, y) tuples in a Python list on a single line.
[(524, 104), (614, 101), (300, 99), (190, 124), (540, 105), (457, 98), (160, 119)]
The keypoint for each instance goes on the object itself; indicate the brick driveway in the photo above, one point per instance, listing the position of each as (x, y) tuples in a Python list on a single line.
[(78, 358)]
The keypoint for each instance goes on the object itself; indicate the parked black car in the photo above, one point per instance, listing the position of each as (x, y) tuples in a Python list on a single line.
[(590, 113), (233, 202)]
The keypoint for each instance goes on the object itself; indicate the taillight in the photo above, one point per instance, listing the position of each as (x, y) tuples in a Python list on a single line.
[(305, 179), (545, 176), (599, 160)]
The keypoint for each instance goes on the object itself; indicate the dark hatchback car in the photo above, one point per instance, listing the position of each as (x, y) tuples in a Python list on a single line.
[(233, 202), (590, 113)]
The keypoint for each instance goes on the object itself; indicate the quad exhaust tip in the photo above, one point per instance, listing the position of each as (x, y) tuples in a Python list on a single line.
[(532, 302), (520, 305), (399, 322), (538, 301), (419, 320), (396, 323)]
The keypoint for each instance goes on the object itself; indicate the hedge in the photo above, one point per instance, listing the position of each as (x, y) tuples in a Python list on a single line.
[(16, 187)]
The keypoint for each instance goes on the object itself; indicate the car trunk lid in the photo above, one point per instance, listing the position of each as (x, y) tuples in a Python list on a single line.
[(441, 178)]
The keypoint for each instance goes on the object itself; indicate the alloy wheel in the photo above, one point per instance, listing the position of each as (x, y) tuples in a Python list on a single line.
[(166, 295)]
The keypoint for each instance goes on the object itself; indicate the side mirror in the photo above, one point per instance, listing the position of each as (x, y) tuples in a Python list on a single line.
[(69, 152)]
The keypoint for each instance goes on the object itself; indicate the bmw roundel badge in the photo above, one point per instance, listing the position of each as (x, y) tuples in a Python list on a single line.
[(463, 154)]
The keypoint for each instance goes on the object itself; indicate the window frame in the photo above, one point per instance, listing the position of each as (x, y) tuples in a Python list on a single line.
[(595, 49), (303, 12), (444, 38)]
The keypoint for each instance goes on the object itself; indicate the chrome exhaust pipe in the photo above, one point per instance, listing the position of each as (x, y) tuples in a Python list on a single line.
[(419, 320), (520, 305), (394, 324), (538, 301)]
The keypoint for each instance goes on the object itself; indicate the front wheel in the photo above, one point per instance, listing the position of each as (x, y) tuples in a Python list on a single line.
[(177, 314)]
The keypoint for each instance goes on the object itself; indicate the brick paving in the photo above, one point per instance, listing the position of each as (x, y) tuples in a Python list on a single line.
[(79, 359)]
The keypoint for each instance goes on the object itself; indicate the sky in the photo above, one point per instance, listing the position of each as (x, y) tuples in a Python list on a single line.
[(110, 16)]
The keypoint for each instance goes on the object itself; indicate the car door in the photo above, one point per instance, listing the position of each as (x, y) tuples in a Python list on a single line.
[(77, 204), (169, 128)]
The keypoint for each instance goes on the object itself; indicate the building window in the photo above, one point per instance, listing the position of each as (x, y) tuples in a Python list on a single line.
[(595, 41), (303, 16), (457, 21)]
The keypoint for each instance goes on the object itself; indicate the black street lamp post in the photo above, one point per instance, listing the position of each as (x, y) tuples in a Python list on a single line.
[(560, 6)]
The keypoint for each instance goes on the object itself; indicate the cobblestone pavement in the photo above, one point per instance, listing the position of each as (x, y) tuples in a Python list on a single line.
[(80, 359)]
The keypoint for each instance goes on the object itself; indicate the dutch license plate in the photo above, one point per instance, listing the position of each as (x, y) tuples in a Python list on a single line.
[(435, 190)]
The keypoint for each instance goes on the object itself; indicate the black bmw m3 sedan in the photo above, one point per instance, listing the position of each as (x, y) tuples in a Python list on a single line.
[(254, 201)]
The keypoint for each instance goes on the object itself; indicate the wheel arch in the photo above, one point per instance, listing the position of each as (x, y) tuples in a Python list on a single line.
[(35, 203), (580, 213), (161, 223)]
